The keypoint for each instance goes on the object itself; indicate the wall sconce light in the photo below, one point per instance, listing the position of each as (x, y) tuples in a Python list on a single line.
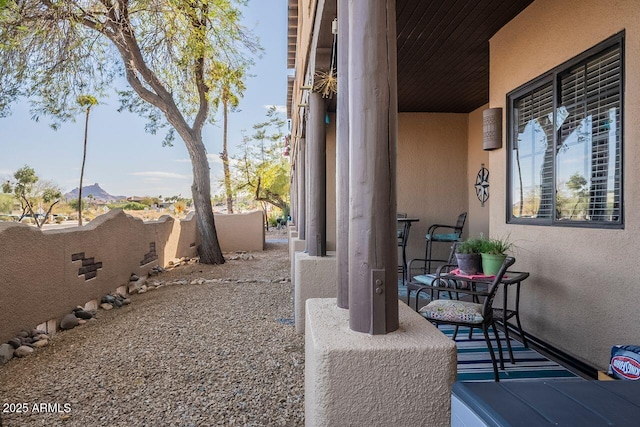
[(492, 128)]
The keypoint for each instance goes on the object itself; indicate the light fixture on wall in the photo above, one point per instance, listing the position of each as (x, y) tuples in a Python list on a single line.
[(492, 128)]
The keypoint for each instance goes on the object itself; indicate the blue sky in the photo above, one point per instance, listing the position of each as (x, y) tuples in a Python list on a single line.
[(124, 159)]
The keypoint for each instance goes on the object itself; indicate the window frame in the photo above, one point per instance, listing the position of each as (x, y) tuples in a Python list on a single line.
[(553, 76)]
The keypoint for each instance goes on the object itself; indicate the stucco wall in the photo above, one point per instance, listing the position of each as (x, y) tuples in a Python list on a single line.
[(478, 219), (582, 296), (41, 276), (240, 232), (432, 173)]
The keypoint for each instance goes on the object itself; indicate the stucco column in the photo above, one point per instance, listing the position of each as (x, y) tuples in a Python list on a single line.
[(342, 156), (301, 171), (317, 160), (373, 114)]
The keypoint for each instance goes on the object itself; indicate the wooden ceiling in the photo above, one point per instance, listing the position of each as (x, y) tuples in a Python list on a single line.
[(443, 51)]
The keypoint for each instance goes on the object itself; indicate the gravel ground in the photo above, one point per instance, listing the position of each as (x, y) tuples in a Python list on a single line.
[(193, 355)]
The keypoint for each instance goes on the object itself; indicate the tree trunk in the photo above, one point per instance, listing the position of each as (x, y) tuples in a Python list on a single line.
[(84, 158), (225, 155), (209, 249)]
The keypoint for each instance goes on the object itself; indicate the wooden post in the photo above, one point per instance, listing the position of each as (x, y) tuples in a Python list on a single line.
[(342, 156), (302, 189), (373, 113), (317, 158)]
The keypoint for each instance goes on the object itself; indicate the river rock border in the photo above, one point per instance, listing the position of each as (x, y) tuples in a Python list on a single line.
[(26, 342)]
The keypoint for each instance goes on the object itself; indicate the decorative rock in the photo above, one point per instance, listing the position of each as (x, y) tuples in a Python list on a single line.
[(23, 334), (69, 321), (15, 342), (108, 299), (134, 287), (126, 301), (42, 337), (41, 343), (23, 351), (81, 321), (133, 277), (81, 314), (117, 303), (106, 306), (35, 332), (6, 353)]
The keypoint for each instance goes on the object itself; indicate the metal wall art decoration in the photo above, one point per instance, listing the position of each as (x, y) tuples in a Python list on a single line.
[(482, 185)]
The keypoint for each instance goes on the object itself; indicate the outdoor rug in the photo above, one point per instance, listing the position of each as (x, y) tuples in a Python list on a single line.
[(474, 362)]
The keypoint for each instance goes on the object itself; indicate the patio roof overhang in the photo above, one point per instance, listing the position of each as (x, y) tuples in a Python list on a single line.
[(443, 50)]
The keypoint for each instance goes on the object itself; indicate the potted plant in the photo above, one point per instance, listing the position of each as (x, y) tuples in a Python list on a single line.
[(493, 252), (468, 256)]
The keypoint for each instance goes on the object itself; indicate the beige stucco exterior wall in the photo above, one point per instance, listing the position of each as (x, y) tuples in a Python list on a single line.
[(432, 173), (39, 280), (478, 219), (240, 232), (582, 296)]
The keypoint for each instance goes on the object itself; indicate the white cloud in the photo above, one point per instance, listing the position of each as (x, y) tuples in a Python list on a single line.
[(161, 174), (214, 158), (279, 108)]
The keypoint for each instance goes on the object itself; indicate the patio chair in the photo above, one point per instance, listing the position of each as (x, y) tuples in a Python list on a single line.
[(434, 234), (470, 314), (421, 275)]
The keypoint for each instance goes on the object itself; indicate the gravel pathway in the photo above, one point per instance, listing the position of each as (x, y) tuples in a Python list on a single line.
[(222, 353)]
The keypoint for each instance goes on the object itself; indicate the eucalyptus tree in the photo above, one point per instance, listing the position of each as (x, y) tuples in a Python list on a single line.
[(51, 51), (86, 101), (228, 93)]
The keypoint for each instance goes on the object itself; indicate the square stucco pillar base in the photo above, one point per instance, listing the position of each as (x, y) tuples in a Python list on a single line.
[(295, 245), (403, 378), (315, 277)]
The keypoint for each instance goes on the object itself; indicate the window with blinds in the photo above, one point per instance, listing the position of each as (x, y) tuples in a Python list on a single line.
[(565, 143)]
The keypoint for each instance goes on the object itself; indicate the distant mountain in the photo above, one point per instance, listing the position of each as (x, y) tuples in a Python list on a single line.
[(96, 191)]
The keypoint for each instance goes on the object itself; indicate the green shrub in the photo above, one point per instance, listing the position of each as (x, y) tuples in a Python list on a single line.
[(134, 206)]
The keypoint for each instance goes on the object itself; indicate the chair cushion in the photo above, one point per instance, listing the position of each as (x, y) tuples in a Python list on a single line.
[(451, 237), (425, 279), (453, 311)]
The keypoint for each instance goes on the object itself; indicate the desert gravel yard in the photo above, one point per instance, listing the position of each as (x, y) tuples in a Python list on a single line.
[(219, 353)]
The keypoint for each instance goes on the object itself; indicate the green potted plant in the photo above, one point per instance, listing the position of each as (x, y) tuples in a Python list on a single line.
[(493, 253), (468, 256)]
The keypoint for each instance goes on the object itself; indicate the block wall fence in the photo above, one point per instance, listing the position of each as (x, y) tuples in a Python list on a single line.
[(45, 274)]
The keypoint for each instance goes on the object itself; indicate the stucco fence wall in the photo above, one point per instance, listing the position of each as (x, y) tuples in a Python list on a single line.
[(45, 274)]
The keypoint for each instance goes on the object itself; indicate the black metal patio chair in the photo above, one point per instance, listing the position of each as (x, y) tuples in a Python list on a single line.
[(470, 314)]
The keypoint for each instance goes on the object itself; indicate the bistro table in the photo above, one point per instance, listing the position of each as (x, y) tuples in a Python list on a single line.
[(501, 314)]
